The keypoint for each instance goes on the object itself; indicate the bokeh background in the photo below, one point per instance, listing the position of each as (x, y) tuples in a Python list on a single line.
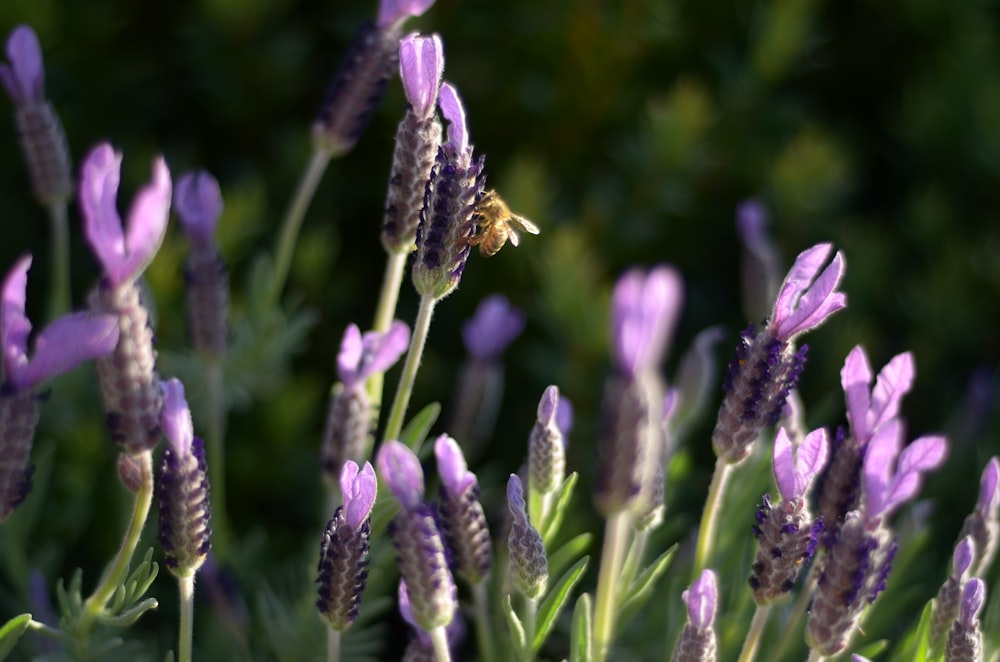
[(629, 131)]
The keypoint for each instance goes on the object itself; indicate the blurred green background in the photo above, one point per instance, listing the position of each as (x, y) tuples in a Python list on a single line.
[(629, 131)]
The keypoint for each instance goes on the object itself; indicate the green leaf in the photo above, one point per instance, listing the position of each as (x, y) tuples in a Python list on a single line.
[(554, 602), (641, 588), (550, 527), (573, 549), (419, 427), (11, 632), (916, 644), (516, 629), (582, 634)]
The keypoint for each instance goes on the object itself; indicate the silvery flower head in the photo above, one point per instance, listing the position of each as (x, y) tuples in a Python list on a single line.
[(547, 446), (463, 521), (60, 347), (343, 553), (767, 365), (529, 565), (697, 641)]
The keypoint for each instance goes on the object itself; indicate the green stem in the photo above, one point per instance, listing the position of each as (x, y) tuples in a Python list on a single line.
[(791, 627), (385, 311), (709, 517), (292, 223), (439, 638), (752, 641), (117, 571), (217, 456), (43, 629), (530, 625), (484, 626), (185, 631), (606, 600), (417, 341), (332, 645), (59, 293)]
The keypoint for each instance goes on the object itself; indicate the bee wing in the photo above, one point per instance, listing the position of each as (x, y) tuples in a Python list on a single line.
[(524, 225), (512, 236)]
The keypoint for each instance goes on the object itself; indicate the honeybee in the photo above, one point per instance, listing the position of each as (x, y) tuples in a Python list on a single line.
[(495, 224)]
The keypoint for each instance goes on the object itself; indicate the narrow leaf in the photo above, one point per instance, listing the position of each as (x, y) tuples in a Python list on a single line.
[(419, 427), (573, 549), (580, 637), (11, 632), (554, 602), (641, 588), (130, 615), (516, 629), (550, 527)]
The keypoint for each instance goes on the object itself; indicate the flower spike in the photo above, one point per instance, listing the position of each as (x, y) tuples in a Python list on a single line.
[(198, 202), (24, 77), (492, 328)]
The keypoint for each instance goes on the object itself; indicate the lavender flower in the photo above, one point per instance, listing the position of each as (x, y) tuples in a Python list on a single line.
[(198, 203), (867, 409), (182, 489), (786, 531), (860, 558), (767, 366), (420, 550), (43, 139), (421, 63), (60, 347), (129, 385), (983, 523), (463, 521), (946, 604), (359, 83), (547, 446), (965, 641), (761, 274), (696, 642), (349, 421), (491, 329), (446, 224), (420, 648), (644, 310), (529, 565), (343, 551)]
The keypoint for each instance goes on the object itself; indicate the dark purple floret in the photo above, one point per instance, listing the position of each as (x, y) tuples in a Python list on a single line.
[(343, 570), (185, 509), (742, 354), (463, 523), (885, 568)]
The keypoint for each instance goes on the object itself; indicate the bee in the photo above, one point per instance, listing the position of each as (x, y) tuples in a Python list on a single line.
[(495, 224)]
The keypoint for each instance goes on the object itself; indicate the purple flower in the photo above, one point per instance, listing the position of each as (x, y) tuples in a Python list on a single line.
[(644, 312), (60, 347), (463, 521), (124, 256), (701, 600), (421, 64), (808, 295), (177, 425), (454, 112), (794, 471), (949, 596), (198, 203), (24, 77), (982, 523), (973, 599), (965, 640), (359, 488), (402, 472), (455, 475), (890, 482), (492, 328), (391, 12), (362, 356), (869, 408), (547, 445), (529, 566)]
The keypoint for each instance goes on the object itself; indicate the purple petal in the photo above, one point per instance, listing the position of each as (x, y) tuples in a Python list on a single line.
[(14, 324), (99, 179), (548, 405), (973, 598), (515, 500), (784, 465), (810, 460), (198, 202), (492, 328), (564, 417), (362, 356), (919, 457), (454, 472), (176, 417), (396, 11), (421, 64), (644, 311), (965, 552), (24, 78), (359, 489), (989, 495), (856, 379), (147, 221), (349, 357), (67, 342), (401, 471), (701, 600), (894, 381), (806, 299), (454, 112), (880, 460)]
